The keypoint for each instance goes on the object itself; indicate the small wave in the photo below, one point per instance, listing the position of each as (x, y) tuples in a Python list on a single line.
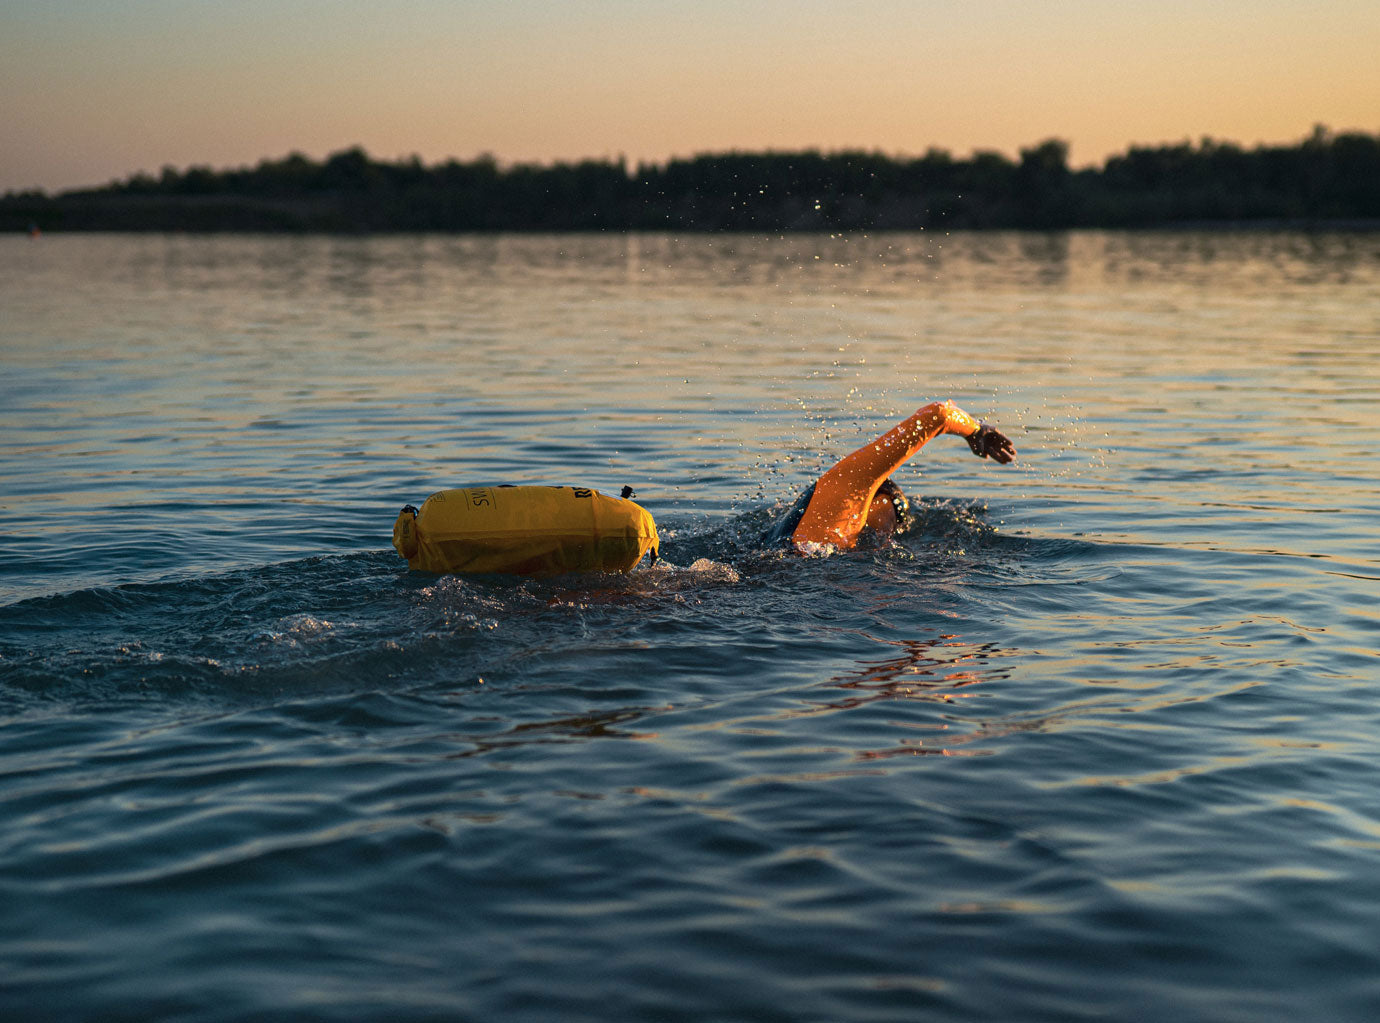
[(306, 625), (701, 570), (198, 633)]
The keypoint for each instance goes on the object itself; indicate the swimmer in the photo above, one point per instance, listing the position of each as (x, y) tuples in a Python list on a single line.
[(857, 497), (552, 530)]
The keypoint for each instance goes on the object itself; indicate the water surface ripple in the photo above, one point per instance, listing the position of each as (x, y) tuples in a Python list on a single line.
[(1095, 740)]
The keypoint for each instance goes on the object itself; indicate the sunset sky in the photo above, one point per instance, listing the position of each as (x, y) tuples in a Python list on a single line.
[(95, 90)]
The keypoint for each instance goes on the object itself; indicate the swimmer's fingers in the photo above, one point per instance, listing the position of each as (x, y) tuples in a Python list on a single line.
[(991, 443), (1000, 448)]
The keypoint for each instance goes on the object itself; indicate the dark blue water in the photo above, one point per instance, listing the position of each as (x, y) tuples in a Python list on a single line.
[(1096, 739)]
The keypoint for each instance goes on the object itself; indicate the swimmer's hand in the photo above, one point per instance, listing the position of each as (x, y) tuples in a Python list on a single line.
[(988, 442)]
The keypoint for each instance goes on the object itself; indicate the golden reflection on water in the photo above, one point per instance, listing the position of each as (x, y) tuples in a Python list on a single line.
[(930, 670)]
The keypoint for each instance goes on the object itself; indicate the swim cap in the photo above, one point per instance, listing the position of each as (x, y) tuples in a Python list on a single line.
[(893, 493)]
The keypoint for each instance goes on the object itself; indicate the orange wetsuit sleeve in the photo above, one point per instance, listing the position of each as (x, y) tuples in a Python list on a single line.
[(837, 512)]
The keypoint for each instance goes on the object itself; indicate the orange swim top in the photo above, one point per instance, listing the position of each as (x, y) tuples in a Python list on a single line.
[(837, 510)]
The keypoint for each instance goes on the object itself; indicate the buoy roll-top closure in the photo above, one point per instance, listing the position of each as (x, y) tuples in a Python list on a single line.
[(405, 532), (525, 531)]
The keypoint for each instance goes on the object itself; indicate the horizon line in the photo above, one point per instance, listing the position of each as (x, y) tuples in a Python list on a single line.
[(1319, 133)]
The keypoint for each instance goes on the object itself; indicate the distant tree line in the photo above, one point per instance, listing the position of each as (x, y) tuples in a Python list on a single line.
[(1326, 178)]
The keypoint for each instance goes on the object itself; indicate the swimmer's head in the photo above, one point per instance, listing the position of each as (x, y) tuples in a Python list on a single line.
[(887, 512)]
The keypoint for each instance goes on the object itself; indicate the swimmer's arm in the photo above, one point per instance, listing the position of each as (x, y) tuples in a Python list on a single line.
[(838, 510), (985, 441)]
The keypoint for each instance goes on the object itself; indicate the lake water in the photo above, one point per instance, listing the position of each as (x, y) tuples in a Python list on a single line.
[(1096, 739)]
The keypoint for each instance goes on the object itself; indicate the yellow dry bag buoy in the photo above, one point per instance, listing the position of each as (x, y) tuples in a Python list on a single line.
[(525, 531)]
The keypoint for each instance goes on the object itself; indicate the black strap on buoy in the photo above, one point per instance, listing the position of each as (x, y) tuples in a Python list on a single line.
[(628, 495)]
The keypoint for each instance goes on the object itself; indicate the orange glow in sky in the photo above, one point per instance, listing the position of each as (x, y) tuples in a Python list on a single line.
[(99, 90)]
